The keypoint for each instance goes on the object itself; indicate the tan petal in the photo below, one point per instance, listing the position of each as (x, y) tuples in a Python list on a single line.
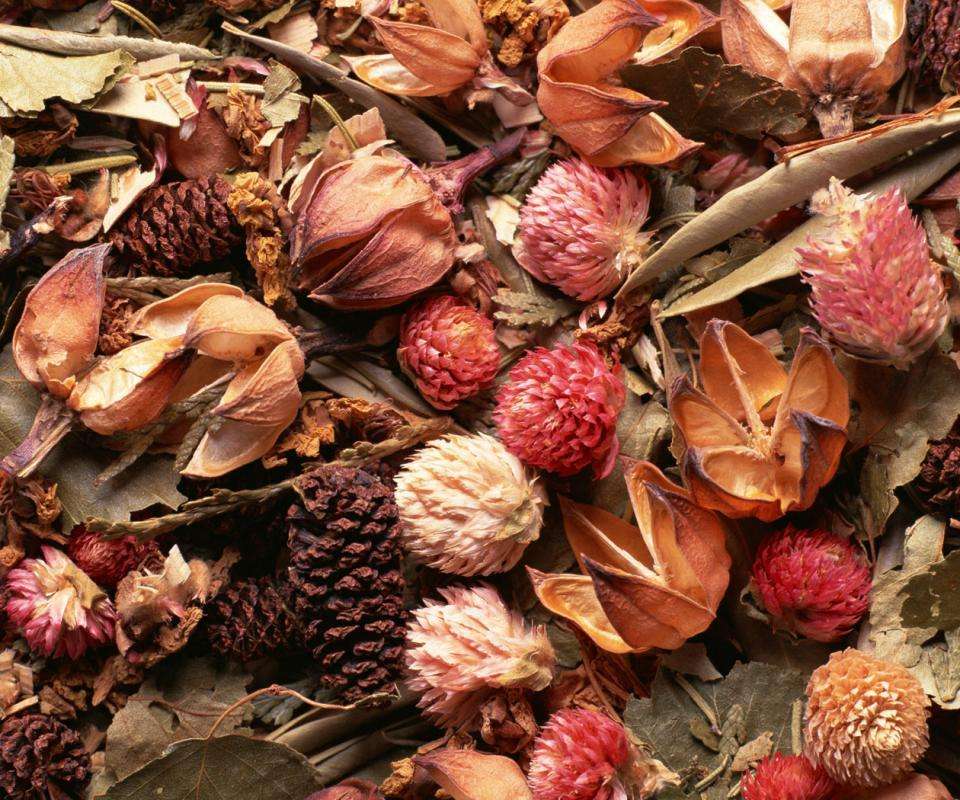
[(265, 392), (234, 329), (651, 140), (809, 449), (169, 317), (700, 420), (472, 775), (736, 481), (384, 72), (461, 18), (232, 445), (755, 37), (681, 20), (815, 384), (58, 331), (597, 534)]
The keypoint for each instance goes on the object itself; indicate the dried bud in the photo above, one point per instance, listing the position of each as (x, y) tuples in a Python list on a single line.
[(558, 410), (866, 719), (757, 441), (580, 228), (56, 607), (106, 561), (463, 650), (875, 289), (841, 56), (781, 777), (812, 583), (468, 506), (57, 334), (448, 349)]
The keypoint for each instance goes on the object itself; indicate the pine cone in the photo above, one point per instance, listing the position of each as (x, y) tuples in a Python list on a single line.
[(40, 757), (248, 620), (178, 227), (935, 42), (344, 582), (938, 484)]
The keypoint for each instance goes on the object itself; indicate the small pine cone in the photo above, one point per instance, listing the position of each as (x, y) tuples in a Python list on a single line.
[(558, 410), (175, 228), (938, 484), (249, 620), (781, 777), (812, 583), (40, 757), (344, 584), (106, 561), (935, 42), (866, 719), (449, 350)]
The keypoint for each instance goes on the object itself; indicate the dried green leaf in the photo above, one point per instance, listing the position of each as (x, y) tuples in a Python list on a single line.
[(932, 596), (6, 174), (280, 104), (522, 309), (77, 44), (706, 94)]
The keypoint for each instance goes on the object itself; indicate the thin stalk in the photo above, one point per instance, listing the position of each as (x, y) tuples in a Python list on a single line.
[(89, 165), (138, 16)]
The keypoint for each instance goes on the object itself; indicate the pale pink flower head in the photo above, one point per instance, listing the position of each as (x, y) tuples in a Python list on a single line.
[(57, 608), (580, 228), (874, 288)]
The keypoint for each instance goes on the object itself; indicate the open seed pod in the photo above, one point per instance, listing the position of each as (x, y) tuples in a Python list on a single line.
[(653, 586), (757, 441)]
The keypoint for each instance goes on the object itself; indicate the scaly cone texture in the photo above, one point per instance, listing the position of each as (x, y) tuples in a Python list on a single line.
[(249, 620), (41, 758), (780, 777), (580, 228), (57, 608), (558, 410), (463, 650), (934, 32), (866, 719), (812, 583), (874, 287), (106, 561), (938, 483), (449, 350), (469, 507), (344, 585)]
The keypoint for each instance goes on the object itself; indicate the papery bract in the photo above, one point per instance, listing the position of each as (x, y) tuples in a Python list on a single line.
[(472, 775), (231, 328), (169, 318)]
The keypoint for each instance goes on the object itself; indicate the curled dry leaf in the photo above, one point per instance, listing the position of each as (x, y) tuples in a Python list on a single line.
[(470, 775), (757, 441), (57, 335), (234, 328), (168, 318), (652, 587), (608, 124)]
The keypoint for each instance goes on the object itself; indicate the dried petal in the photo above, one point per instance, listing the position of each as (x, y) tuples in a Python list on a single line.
[(471, 775), (232, 328), (170, 317)]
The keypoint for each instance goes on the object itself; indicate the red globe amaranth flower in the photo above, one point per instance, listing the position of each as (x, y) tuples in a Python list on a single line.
[(812, 583), (780, 777), (106, 561), (559, 408), (448, 349)]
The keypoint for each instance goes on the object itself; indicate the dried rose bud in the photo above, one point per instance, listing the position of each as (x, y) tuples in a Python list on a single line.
[(469, 507), (866, 719), (463, 650), (448, 349), (812, 583), (780, 777), (874, 288), (57, 608), (580, 228), (106, 561)]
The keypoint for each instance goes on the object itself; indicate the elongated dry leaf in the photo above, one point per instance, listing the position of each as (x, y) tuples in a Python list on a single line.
[(6, 172), (67, 43)]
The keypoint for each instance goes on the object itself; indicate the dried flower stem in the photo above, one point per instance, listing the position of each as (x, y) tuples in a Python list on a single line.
[(89, 165), (51, 423), (147, 288), (337, 120), (138, 16)]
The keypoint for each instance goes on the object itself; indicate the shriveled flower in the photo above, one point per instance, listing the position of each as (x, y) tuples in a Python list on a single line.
[(758, 441), (558, 410), (812, 582), (41, 758), (106, 561), (449, 350), (57, 608), (580, 228), (584, 755), (464, 649), (469, 507), (780, 777), (875, 289), (938, 484), (866, 719)]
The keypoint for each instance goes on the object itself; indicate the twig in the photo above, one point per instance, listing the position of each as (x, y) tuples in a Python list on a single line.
[(138, 16), (697, 698), (89, 165)]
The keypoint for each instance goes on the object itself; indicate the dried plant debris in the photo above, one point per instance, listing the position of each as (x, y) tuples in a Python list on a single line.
[(479, 399)]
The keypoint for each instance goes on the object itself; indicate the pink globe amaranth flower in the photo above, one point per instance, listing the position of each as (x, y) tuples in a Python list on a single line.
[(812, 583), (558, 410), (57, 608), (780, 777), (448, 349), (580, 228), (106, 561), (874, 288)]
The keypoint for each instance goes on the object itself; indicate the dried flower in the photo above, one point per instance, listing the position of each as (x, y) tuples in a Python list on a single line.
[(841, 56), (558, 410), (448, 349), (756, 440), (350, 789), (56, 607), (780, 777), (934, 55), (938, 484), (812, 583), (106, 561), (580, 228), (866, 719), (40, 757), (875, 289), (469, 507), (462, 650)]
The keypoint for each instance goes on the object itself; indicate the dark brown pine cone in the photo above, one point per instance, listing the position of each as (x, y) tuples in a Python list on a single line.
[(938, 484), (248, 620), (344, 583), (176, 228), (934, 30), (40, 758)]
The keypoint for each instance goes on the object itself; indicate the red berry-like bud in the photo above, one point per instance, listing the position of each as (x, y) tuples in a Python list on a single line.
[(811, 582), (448, 349), (781, 777), (106, 561), (559, 408)]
